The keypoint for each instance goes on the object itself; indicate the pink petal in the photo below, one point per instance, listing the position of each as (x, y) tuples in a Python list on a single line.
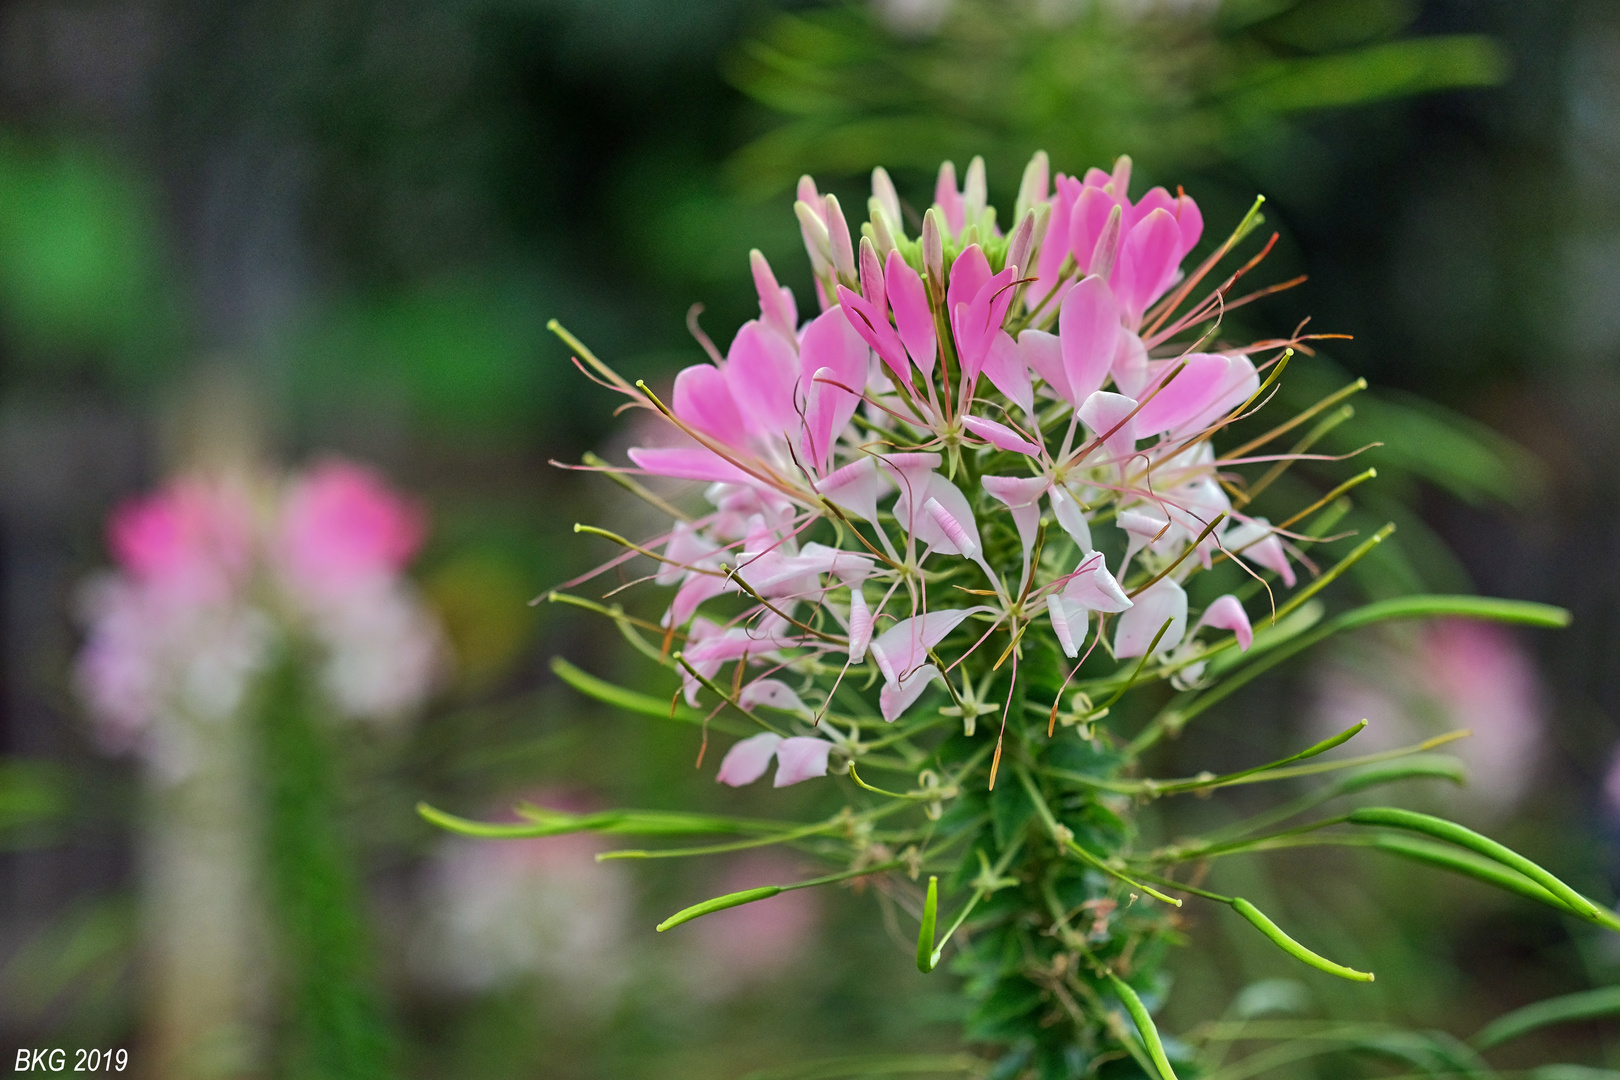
[(1086, 222), (702, 399), (1253, 540), (773, 694), (1157, 199), (1191, 222), (929, 529), (686, 546), (1130, 369), (912, 317), (1196, 388), (857, 487), (1105, 414), (1226, 613), (1000, 435), (762, 371), (905, 644), (1163, 600), (872, 277), (1007, 370), (1089, 331), (969, 274), (1069, 516), (911, 470), (952, 528), (776, 309), (1064, 623), (860, 625), (895, 698), (747, 761), (833, 357), (873, 327), (1237, 386), (691, 595), (1056, 247), (688, 463), (1043, 353), (1016, 491), (1147, 263), (800, 758), (1095, 588)]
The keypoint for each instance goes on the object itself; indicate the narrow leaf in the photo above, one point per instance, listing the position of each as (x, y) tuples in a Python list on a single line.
[(1294, 948), (1451, 832), (632, 822), (643, 704), (1144, 1026), (925, 933), (719, 903), (1221, 781), (1588, 1005)]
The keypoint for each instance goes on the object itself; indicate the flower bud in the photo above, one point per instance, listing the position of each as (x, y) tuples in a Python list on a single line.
[(933, 252), (872, 278), (1021, 242), (1033, 189), (1103, 255), (885, 196), (879, 228), (843, 254), (975, 192), (1122, 177)]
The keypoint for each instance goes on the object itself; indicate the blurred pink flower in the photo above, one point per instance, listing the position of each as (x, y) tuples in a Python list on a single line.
[(208, 580), (1461, 674), (341, 524), (195, 536)]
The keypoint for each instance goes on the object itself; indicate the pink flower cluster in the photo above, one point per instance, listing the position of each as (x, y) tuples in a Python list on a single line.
[(213, 572), (951, 378)]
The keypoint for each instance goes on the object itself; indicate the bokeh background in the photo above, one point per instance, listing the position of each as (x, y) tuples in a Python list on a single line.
[(314, 227)]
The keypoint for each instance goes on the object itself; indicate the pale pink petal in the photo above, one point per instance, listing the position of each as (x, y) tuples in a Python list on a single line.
[(872, 277), (1043, 353), (688, 463), (1070, 517), (857, 487), (895, 698), (1226, 613), (703, 401), (692, 593), (686, 546), (905, 645), (1089, 331), (773, 694), (1195, 388), (800, 758), (1007, 370), (838, 235), (747, 761), (1022, 496), (1253, 540), (912, 317), (834, 357), (1163, 600), (1095, 589), (1069, 622), (860, 625), (952, 528), (1237, 386), (1147, 263), (1000, 435), (1109, 417), (911, 471), (948, 198)]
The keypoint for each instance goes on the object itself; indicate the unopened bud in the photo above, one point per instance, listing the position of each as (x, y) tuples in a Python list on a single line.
[(951, 528), (872, 278), (975, 194), (843, 252), (807, 192), (879, 228), (1019, 244), (816, 240), (933, 252), (1122, 177), (889, 199), (1034, 186), (1107, 249)]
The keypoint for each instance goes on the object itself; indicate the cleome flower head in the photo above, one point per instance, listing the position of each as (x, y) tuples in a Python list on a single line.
[(983, 434)]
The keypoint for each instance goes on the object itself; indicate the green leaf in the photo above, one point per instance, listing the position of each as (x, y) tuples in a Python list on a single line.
[(1144, 1026), (643, 704), (1451, 832), (1466, 864), (1294, 948), (1587, 1005), (625, 822)]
